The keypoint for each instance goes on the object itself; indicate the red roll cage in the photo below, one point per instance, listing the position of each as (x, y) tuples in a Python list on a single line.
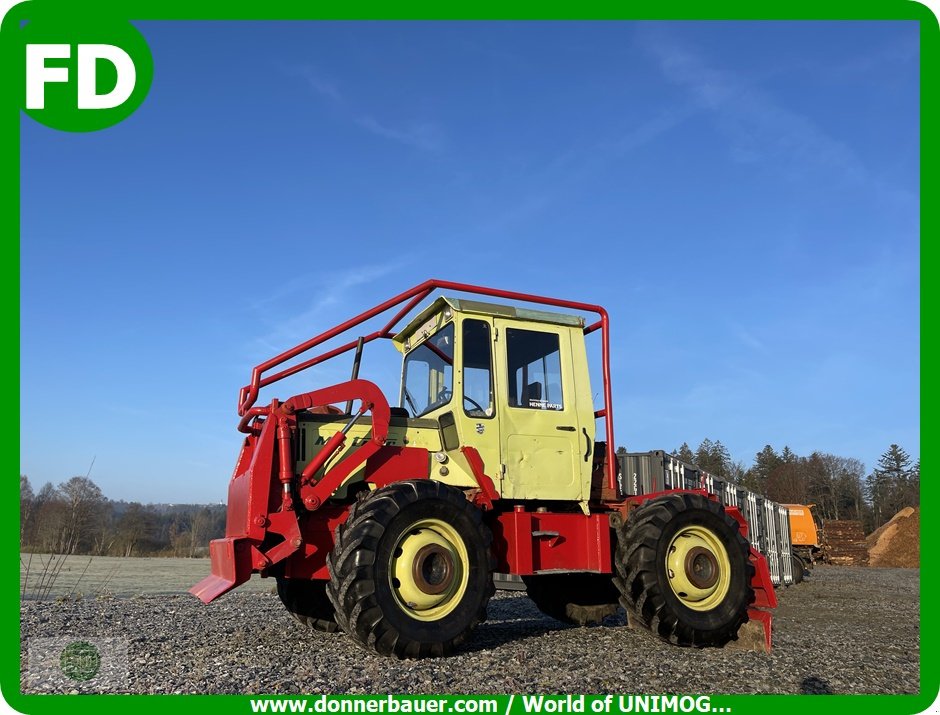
[(248, 395)]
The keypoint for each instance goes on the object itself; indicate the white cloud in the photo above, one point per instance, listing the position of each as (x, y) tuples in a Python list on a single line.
[(758, 127), (421, 135)]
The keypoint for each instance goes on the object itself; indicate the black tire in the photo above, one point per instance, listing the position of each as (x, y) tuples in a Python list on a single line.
[(307, 602), (799, 568), (411, 571), (665, 598), (576, 598)]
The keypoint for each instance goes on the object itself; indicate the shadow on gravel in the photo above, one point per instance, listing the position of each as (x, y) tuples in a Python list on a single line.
[(815, 686), (494, 634)]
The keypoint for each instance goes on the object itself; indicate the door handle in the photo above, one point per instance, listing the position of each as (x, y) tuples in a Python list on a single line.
[(587, 440), (566, 428)]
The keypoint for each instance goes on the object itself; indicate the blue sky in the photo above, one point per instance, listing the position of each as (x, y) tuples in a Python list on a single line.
[(742, 197)]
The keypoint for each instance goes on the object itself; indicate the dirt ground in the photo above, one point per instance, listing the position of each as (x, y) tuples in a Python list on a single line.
[(843, 630)]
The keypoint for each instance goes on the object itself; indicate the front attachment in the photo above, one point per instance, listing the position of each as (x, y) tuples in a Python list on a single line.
[(231, 567), (262, 528)]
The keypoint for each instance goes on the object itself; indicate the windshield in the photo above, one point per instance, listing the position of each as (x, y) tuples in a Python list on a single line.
[(428, 376)]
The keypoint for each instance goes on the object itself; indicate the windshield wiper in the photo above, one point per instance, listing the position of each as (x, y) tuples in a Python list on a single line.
[(414, 408)]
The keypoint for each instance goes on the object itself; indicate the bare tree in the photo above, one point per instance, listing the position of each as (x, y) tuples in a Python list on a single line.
[(84, 505), (27, 501), (134, 529)]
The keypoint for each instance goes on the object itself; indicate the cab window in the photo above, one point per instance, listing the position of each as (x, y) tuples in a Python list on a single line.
[(534, 360), (428, 373), (477, 369)]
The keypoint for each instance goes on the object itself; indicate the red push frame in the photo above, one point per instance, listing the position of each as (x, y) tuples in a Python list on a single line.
[(248, 395)]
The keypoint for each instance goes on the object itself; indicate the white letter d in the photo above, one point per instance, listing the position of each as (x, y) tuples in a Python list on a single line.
[(88, 55)]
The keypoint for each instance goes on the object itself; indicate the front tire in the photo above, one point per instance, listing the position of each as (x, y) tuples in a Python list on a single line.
[(683, 570), (411, 571)]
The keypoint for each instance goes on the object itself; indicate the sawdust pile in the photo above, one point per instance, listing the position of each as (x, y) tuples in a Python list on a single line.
[(897, 543)]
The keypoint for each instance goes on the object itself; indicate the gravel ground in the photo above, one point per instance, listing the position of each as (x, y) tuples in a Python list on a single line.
[(843, 630)]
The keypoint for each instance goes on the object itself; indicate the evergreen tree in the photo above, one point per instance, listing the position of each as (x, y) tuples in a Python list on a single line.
[(703, 454), (720, 460), (685, 453), (892, 485), (765, 462)]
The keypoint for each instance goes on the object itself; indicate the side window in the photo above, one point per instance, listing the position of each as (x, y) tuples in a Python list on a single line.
[(477, 369), (534, 360)]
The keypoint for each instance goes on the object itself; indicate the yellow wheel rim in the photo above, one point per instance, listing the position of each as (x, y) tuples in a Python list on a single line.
[(428, 573), (698, 568)]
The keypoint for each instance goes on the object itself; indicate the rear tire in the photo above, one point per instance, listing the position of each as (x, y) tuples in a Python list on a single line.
[(307, 602), (799, 568), (411, 571), (576, 598), (683, 570)]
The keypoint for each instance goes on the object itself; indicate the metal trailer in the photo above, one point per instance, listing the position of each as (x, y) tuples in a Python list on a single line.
[(730, 494), (655, 471), (783, 528), (768, 517)]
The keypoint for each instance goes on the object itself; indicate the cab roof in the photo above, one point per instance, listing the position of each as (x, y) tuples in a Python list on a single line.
[(425, 323)]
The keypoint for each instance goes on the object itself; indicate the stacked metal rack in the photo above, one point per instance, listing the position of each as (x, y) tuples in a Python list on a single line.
[(768, 522)]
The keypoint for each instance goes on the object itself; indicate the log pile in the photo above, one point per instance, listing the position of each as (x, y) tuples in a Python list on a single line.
[(844, 543)]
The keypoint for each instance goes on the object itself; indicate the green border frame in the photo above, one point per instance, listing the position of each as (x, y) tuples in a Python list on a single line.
[(481, 10)]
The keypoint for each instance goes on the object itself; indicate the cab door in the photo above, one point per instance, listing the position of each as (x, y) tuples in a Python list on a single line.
[(542, 443)]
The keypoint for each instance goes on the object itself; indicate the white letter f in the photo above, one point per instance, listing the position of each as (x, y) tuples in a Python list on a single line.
[(37, 74)]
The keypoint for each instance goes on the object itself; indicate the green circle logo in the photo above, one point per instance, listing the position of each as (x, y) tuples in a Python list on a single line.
[(80, 660), (82, 74)]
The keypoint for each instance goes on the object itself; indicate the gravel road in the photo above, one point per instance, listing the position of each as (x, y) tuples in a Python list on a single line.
[(843, 630)]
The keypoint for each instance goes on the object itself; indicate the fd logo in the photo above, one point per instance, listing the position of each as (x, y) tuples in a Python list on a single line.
[(38, 73), (81, 73)]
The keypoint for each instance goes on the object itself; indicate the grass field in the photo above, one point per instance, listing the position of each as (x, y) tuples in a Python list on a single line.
[(89, 576)]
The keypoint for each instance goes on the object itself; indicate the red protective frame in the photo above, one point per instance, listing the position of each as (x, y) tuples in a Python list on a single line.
[(411, 298)]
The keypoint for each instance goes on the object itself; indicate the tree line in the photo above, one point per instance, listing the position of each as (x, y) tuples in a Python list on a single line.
[(838, 486), (76, 518)]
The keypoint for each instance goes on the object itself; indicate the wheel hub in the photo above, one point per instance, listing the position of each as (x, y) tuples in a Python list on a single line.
[(701, 567), (698, 568), (428, 571), (433, 569)]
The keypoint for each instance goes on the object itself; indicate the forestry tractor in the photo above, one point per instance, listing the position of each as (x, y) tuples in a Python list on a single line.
[(389, 523)]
